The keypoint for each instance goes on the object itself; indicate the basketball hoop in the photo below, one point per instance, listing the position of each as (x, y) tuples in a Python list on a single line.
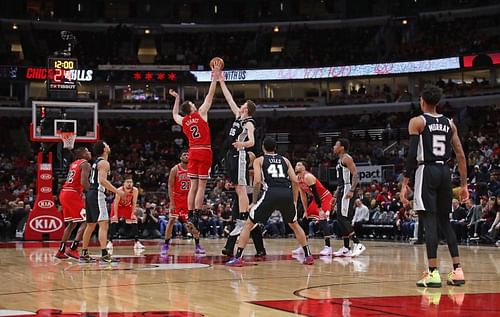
[(68, 139)]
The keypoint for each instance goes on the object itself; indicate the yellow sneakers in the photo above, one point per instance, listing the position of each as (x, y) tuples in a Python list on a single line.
[(430, 279), (456, 277)]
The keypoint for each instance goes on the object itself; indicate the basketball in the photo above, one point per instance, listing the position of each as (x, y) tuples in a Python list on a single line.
[(217, 60)]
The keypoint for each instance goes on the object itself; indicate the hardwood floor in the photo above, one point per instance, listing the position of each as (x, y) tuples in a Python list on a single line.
[(380, 282)]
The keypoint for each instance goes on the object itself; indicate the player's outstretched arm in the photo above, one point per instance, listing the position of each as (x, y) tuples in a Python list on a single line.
[(229, 97), (462, 165), (207, 103), (175, 110)]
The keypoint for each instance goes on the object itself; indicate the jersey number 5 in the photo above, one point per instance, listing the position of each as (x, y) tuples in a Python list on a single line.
[(194, 132), (439, 145), (276, 171)]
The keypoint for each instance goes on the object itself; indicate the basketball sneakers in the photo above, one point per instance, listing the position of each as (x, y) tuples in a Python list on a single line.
[(430, 279), (343, 252), (456, 277)]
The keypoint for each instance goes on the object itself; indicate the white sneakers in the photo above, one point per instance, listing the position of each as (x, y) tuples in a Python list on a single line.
[(343, 252), (357, 249), (326, 251), (297, 251), (138, 245)]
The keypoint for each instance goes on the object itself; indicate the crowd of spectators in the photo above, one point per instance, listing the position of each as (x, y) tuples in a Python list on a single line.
[(303, 45), (147, 151)]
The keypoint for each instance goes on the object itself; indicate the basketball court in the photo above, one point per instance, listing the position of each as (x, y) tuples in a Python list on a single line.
[(381, 282)]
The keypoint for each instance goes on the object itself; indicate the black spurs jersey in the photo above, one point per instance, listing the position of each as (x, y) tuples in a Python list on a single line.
[(238, 131), (94, 177), (344, 175), (435, 140), (275, 171)]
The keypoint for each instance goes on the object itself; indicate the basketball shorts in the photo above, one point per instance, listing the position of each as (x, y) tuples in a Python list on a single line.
[(181, 210), (73, 205), (326, 205), (200, 162), (345, 206), (237, 166), (97, 209), (276, 198), (123, 213), (433, 190)]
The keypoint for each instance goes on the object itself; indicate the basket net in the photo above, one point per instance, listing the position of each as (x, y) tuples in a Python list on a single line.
[(68, 139)]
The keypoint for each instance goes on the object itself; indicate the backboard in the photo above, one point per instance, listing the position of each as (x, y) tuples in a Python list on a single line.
[(51, 117)]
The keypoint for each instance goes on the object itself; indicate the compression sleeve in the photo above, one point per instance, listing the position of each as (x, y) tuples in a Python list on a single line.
[(315, 194), (411, 159)]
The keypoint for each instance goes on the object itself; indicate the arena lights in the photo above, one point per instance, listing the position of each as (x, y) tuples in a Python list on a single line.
[(334, 71)]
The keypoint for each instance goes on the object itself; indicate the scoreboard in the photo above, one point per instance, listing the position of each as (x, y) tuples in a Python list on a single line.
[(62, 77)]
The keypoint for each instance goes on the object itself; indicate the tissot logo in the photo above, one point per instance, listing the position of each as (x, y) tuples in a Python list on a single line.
[(45, 190), (45, 204), (46, 177), (45, 224)]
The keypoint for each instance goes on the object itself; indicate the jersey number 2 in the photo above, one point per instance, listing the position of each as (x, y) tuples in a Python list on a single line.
[(439, 145), (194, 132), (276, 171)]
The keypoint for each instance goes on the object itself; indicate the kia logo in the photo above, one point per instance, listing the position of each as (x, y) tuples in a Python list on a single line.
[(46, 177), (46, 204), (46, 224), (45, 190)]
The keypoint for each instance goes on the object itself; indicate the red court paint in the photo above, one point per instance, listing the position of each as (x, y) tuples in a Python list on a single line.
[(432, 303)]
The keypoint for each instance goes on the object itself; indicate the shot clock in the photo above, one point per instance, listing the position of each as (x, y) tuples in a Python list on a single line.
[(62, 77)]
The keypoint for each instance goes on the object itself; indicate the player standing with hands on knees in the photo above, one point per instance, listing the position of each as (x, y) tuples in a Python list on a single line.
[(432, 137)]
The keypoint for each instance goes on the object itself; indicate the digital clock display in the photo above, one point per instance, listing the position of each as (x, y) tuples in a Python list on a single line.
[(62, 75)]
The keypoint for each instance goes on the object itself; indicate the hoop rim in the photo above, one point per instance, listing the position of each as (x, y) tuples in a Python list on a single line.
[(58, 139)]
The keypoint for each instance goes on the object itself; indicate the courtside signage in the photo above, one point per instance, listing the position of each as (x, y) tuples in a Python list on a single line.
[(46, 224), (46, 177), (367, 174), (46, 190), (334, 71), (46, 204)]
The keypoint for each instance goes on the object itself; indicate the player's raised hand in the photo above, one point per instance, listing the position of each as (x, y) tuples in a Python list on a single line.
[(173, 93), (217, 74)]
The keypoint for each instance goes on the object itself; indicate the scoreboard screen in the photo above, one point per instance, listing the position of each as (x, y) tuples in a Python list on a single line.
[(62, 78)]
